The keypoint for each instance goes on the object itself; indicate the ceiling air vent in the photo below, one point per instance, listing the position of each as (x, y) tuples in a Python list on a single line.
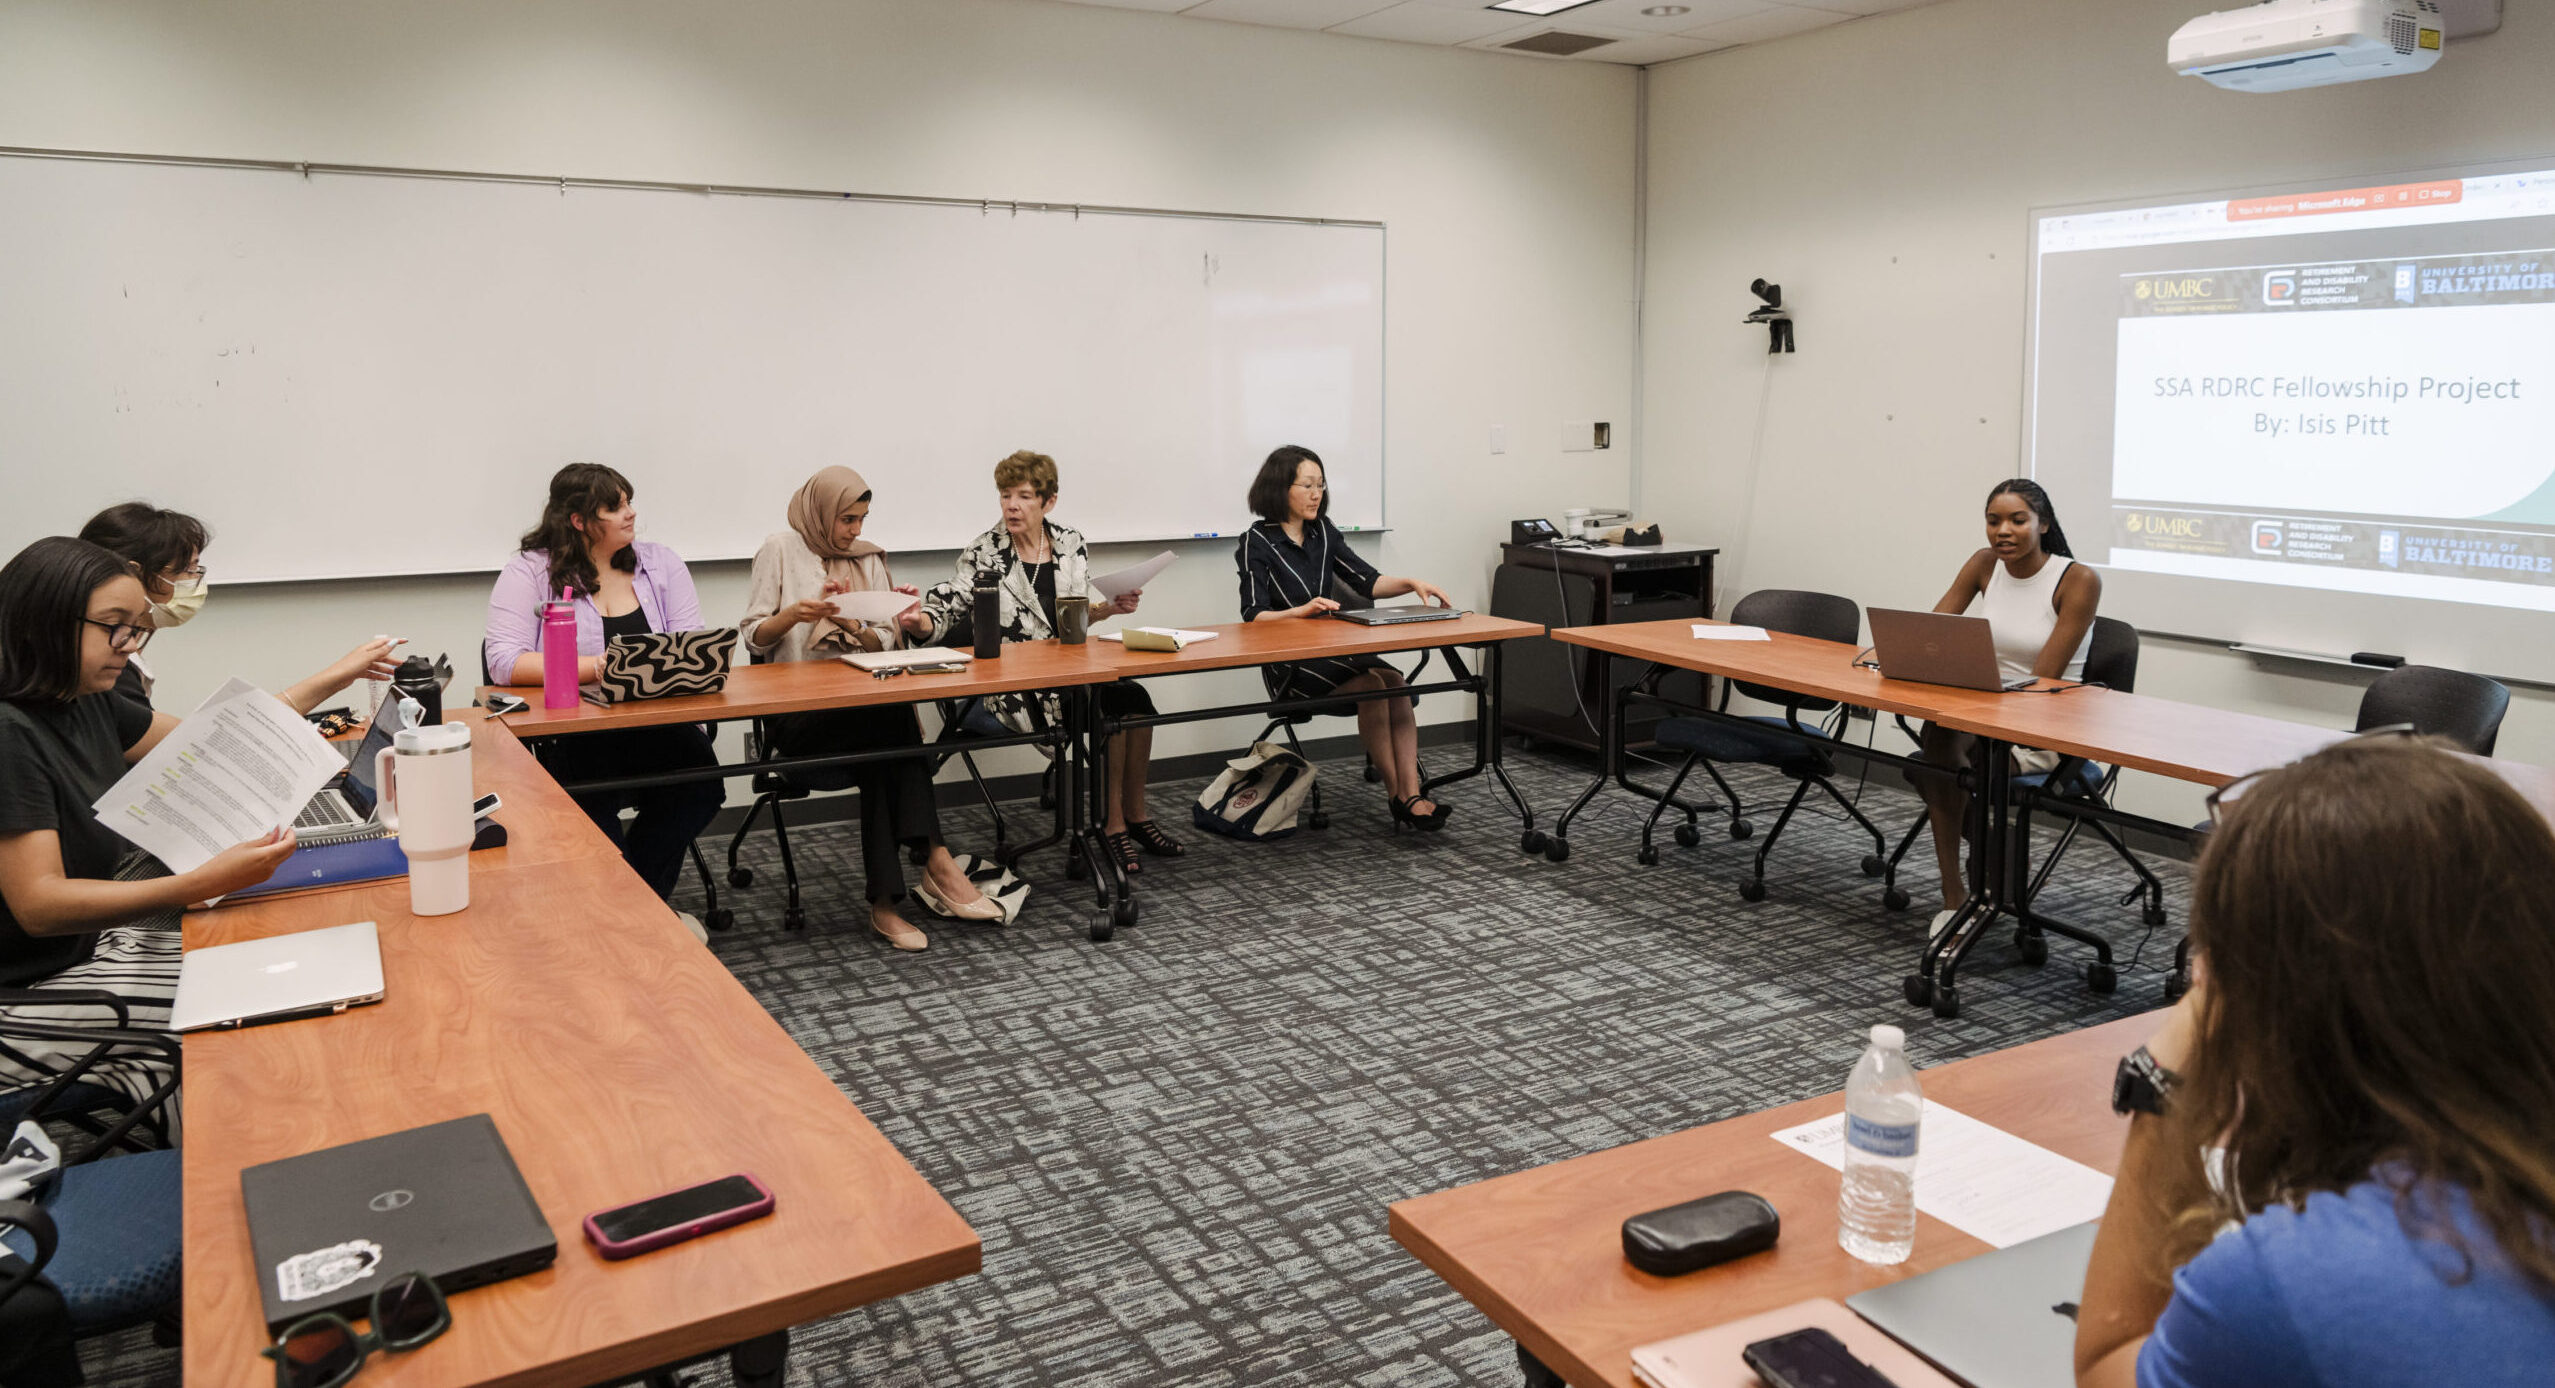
[(1557, 44)]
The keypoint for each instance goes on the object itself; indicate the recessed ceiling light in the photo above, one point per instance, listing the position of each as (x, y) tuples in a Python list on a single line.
[(1668, 11), (1540, 7)]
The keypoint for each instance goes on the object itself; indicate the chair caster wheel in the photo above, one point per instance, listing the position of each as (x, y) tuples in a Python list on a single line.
[(1075, 867), (1531, 843), (1101, 930), (1647, 857), (793, 919), (1894, 900), (1873, 866), (1740, 828), (2177, 983), (1947, 1003), (2102, 978), (740, 877), (1688, 836), (1918, 989), (720, 919), (1319, 819), (2153, 915), (1124, 913), (1557, 850), (2035, 948), (1752, 889)]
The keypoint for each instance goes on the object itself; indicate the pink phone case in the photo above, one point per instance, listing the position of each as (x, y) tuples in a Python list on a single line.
[(677, 1233)]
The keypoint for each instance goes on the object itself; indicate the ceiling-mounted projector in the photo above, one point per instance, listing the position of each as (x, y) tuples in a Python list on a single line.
[(2281, 45)]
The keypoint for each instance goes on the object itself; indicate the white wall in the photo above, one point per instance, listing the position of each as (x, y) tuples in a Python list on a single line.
[(1506, 184), (1881, 172)]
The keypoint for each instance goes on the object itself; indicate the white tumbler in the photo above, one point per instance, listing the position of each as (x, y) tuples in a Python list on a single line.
[(424, 775)]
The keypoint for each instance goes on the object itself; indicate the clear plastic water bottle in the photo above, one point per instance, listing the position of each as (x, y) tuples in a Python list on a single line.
[(1876, 1211)]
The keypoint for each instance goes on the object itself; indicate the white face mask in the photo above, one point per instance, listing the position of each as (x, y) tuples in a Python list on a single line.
[(181, 605)]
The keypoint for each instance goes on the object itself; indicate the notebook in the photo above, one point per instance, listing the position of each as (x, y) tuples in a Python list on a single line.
[(899, 660)]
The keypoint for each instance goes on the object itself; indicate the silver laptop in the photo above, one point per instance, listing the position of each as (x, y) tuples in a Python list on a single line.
[(905, 659), (348, 808), (309, 973), (2005, 1319), (1937, 648)]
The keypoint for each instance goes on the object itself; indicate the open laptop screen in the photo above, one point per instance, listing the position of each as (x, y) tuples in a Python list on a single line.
[(359, 790)]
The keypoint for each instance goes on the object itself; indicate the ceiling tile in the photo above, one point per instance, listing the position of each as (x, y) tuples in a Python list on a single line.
[(1419, 21), (1559, 23), (1858, 6), (1771, 24), (1656, 48), (1163, 6), (1288, 14), (1627, 14)]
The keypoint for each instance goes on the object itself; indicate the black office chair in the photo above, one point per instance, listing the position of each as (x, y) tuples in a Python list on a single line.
[(2466, 709), (62, 1085), (1800, 751)]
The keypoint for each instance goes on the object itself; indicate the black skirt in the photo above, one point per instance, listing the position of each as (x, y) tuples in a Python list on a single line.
[(1315, 679)]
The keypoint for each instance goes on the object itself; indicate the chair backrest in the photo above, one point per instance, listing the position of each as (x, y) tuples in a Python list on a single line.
[(2466, 709), (1794, 612), (2112, 659)]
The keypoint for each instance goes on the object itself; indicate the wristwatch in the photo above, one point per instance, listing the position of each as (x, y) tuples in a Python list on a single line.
[(2141, 1085)]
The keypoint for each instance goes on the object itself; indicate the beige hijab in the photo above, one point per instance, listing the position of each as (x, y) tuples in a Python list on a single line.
[(812, 511)]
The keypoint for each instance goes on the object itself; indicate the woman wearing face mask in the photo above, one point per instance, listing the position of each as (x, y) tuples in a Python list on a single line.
[(587, 546), (1034, 559), (790, 616), (79, 907), (2039, 602), (167, 549)]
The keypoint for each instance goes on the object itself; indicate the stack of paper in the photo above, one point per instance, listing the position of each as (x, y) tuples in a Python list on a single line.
[(238, 768), (1984, 1181)]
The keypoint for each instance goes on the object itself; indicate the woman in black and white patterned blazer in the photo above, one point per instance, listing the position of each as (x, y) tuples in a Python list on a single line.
[(1037, 559)]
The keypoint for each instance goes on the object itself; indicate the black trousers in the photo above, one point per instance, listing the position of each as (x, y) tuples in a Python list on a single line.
[(897, 806), (669, 817)]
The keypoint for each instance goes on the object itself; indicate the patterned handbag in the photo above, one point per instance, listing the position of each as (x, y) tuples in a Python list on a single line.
[(663, 664)]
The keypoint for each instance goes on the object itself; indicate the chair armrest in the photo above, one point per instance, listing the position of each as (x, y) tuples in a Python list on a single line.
[(67, 997), (30, 1217), (105, 1042)]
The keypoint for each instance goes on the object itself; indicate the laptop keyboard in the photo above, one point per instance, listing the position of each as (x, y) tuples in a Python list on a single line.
[(324, 812)]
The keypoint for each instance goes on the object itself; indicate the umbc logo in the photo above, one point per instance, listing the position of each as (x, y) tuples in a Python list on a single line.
[(2280, 287), (2167, 289)]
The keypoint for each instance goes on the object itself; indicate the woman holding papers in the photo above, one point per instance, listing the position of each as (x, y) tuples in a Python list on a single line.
[(1288, 562), (80, 908), (803, 577), (166, 548), (1032, 560), (587, 549), (2040, 604), (2338, 1166)]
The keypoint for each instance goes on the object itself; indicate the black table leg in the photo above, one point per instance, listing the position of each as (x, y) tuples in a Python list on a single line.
[(1609, 750), (1536, 1375)]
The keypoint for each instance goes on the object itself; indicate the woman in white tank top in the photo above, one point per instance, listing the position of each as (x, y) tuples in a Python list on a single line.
[(2040, 604)]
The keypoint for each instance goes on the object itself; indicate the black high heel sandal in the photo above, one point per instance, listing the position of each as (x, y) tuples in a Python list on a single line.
[(1435, 820), (1404, 815), (1150, 836), (1130, 861)]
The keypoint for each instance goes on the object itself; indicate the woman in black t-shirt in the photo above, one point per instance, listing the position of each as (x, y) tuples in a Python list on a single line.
[(79, 909)]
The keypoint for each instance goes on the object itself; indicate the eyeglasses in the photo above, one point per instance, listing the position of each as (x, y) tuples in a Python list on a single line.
[(123, 638), (1310, 487), (2225, 797), (325, 1350), (185, 580)]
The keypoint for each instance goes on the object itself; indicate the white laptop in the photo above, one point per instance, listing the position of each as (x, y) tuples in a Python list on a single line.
[(348, 808), (309, 973), (900, 660)]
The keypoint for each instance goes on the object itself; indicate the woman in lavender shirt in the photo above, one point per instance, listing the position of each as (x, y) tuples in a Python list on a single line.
[(587, 547)]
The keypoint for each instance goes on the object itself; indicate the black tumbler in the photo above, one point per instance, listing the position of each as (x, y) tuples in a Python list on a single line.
[(416, 680), (987, 618)]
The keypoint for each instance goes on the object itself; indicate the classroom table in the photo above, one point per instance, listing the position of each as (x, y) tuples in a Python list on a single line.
[(2188, 742), (619, 1060), (1540, 1251), (1239, 645)]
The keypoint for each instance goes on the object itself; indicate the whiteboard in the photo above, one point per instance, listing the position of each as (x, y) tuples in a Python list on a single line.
[(361, 373)]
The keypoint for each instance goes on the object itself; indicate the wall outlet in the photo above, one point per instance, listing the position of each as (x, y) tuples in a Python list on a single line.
[(1499, 438)]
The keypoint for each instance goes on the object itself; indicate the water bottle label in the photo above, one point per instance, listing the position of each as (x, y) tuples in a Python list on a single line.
[(1880, 1139)]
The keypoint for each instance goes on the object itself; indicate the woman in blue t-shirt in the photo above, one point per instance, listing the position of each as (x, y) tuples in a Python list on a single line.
[(2373, 1054)]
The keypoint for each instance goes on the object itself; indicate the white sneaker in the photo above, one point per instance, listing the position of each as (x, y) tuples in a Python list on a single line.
[(692, 923), (1942, 923)]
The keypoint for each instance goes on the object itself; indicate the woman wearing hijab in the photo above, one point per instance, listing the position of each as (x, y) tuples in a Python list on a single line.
[(790, 616)]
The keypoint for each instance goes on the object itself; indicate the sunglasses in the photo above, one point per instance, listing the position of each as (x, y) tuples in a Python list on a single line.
[(2225, 797), (325, 1350)]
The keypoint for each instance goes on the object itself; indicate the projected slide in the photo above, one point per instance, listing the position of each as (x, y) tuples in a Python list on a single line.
[(2352, 389)]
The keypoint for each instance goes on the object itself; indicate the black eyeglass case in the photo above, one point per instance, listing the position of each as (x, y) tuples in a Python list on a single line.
[(1699, 1233)]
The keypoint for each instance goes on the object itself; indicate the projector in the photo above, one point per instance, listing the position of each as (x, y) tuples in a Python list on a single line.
[(2281, 45)]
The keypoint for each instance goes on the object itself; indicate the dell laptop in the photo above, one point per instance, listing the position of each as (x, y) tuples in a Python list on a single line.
[(1937, 648), (328, 1228), (2005, 1319), (1396, 616), (348, 808), (309, 973)]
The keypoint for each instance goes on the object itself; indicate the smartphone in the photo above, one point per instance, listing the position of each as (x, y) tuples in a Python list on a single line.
[(659, 1220), (1811, 1358), (486, 805)]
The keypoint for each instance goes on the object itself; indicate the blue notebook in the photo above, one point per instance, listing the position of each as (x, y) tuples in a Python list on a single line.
[(329, 864)]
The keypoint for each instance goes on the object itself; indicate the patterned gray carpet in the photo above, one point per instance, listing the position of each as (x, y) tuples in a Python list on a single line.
[(1178, 1147)]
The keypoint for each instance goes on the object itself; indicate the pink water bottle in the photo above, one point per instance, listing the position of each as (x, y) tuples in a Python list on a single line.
[(559, 652)]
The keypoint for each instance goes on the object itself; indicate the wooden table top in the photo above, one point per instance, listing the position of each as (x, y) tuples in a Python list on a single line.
[(620, 1060), (2188, 742), (1541, 1251), (1278, 642)]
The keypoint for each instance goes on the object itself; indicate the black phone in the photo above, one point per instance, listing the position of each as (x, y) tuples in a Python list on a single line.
[(1811, 1358), (1535, 531)]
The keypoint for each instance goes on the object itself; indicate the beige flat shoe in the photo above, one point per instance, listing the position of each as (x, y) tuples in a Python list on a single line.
[(981, 909), (896, 931)]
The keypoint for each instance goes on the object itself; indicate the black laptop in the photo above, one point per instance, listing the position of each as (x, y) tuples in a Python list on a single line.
[(330, 1227)]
